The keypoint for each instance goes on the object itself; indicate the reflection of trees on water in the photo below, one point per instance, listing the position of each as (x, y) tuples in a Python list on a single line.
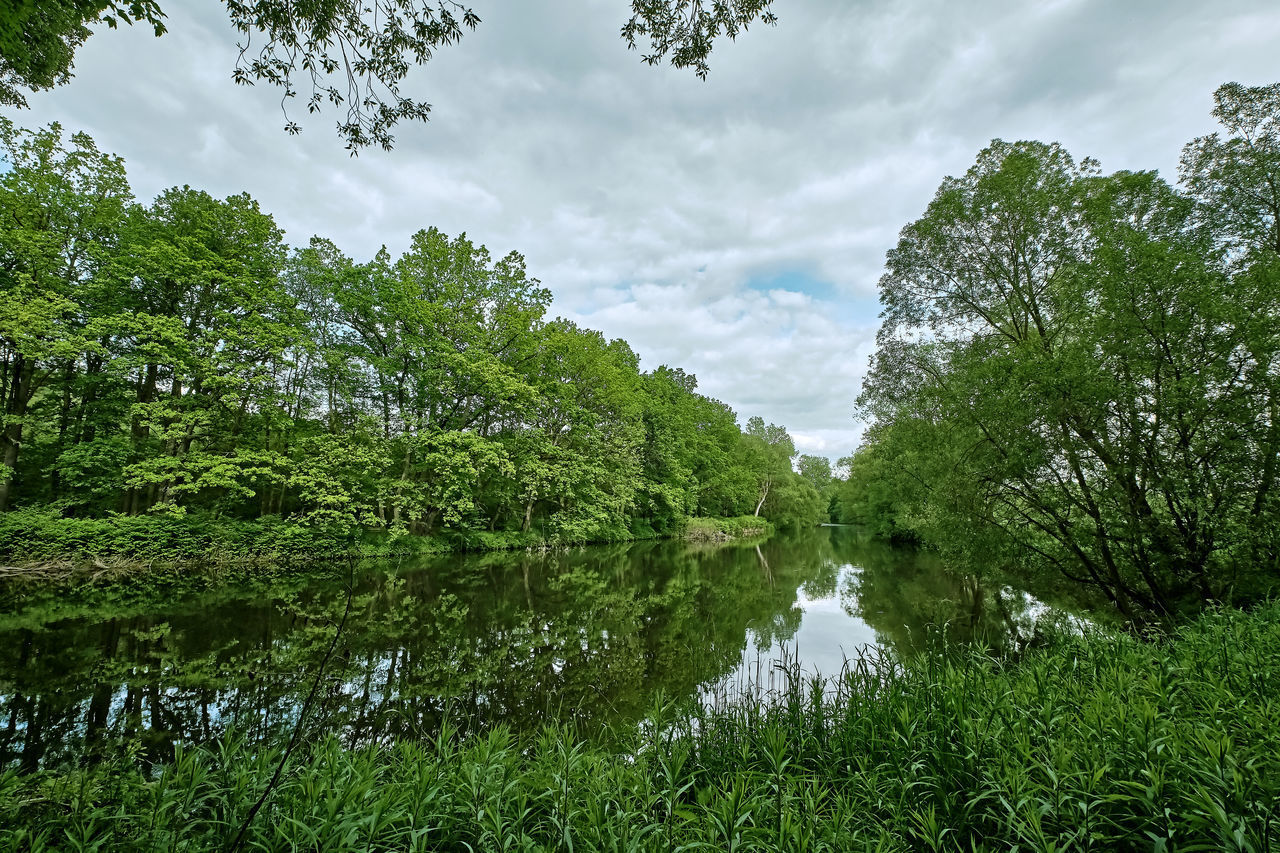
[(582, 636), (906, 595), (809, 563)]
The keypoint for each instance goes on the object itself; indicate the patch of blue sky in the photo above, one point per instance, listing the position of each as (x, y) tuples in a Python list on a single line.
[(846, 308)]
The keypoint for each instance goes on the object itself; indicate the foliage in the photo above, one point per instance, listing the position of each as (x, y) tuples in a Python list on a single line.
[(782, 495), (376, 44), (39, 38), (721, 529), (874, 494), (345, 53), (687, 31), (1098, 741), (61, 210), (178, 360), (1076, 372), (37, 535)]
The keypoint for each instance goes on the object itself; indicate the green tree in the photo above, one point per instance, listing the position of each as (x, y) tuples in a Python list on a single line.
[(61, 210), (1237, 179), (38, 38), (769, 450), (177, 359), (576, 446), (206, 326), (1100, 377), (816, 471)]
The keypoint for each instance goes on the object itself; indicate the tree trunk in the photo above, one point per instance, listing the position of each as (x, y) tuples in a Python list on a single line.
[(64, 423), (764, 493), (135, 499), (11, 437)]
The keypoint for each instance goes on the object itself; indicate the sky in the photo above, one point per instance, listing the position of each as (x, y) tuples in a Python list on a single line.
[(735, 227)]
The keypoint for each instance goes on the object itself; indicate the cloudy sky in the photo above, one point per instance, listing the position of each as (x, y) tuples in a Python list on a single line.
[(734, 227)]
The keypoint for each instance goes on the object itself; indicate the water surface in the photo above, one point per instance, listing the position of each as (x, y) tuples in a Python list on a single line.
[(584, 636)]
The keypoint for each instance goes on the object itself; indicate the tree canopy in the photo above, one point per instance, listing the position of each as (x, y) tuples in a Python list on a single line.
[(350, 55), (1080, 372), (178, 357)]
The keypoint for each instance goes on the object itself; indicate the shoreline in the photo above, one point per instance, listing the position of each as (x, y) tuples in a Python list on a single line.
[(161, 545)]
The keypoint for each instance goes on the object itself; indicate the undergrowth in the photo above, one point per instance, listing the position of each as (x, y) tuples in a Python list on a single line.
[(41, 543), (724, 529)]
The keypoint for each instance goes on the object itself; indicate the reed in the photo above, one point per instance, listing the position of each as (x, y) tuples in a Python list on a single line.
[(1095, 742)]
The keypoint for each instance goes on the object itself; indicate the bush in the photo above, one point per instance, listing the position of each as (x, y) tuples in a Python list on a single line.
[(35, 535), (724, 529)]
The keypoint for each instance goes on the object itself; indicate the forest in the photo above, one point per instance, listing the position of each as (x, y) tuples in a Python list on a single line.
[(176, 362)]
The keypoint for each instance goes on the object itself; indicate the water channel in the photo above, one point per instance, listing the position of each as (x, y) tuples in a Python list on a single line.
[(584, 636)]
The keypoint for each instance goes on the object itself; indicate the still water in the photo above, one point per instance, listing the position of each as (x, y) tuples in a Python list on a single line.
[(584, 636)]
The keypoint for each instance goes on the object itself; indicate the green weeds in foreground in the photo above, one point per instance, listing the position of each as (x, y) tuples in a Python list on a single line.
[(1100, 742)]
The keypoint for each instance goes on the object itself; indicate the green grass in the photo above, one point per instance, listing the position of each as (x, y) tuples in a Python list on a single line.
[(1101, 742)]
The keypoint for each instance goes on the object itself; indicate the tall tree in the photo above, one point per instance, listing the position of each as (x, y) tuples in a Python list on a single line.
[(176, 358), (61, 210), (770, 451), (208, 320), (1080, 336), (1237, 179)]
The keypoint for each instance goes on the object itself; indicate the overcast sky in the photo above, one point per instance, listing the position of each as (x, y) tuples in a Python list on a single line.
[(734, 227)]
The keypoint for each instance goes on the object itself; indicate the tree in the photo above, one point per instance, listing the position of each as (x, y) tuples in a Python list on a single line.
[(348, 54), (432, 340), (177, 359), (61, 210), (204, 330), (38, 39), (1098, 378), (1237, 179), (816, 471), (770, 450)]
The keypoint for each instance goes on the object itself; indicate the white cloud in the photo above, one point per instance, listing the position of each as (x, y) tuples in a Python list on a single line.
[(649, 201)]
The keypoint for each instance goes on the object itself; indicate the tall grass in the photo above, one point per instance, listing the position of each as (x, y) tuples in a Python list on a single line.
[(1097, 742)]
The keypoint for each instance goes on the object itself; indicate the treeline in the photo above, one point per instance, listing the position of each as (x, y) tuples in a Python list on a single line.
[(1079, 373), (178, 357)]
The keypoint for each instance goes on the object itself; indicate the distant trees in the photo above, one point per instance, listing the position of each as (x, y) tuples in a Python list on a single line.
[(781, 494), (1080, 372), (179, 357), (350, 54)]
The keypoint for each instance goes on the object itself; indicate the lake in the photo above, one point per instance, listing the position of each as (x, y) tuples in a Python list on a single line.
[(585, 636)]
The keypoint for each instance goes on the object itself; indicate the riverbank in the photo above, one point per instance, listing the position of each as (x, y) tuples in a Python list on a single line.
[(1102, 742), (40, 544), (726, 529)]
